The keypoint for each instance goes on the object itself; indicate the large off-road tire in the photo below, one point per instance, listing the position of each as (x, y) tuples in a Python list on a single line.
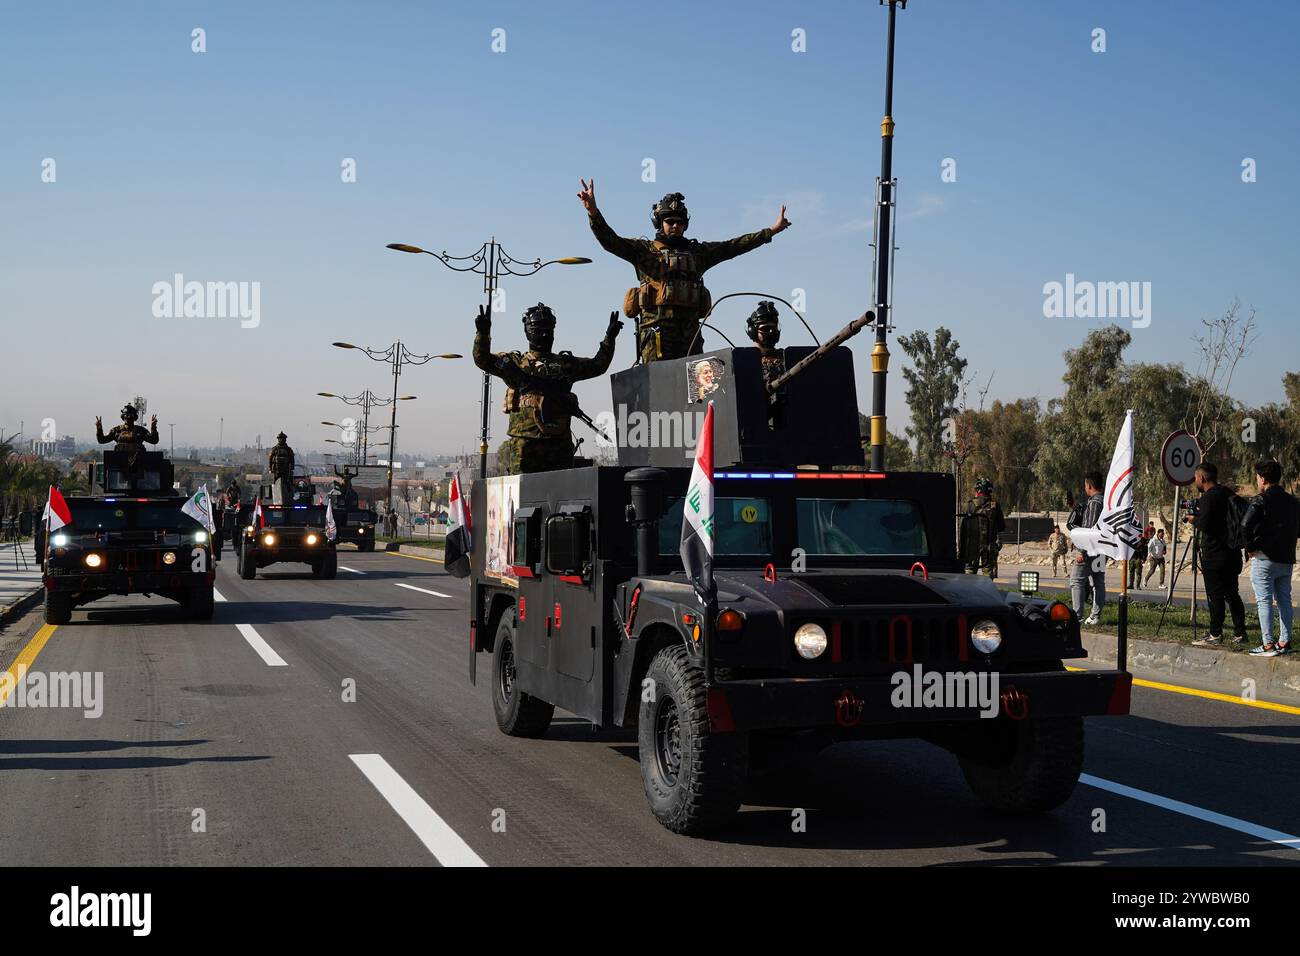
[(518, 714), (1027, 766), (58, 607), (200, 602), (247, 562), (694, 778)]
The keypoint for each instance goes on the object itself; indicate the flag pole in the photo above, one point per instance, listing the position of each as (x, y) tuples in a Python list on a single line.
[(1121, 651)]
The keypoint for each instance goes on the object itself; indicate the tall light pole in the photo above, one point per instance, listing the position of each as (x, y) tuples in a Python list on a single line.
[(366, 401), (172, 426), (221, 434), (395, 355), (884, 245), (490, 261)]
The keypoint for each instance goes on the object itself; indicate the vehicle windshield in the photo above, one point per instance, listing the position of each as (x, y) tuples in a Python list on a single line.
[(742, 526), (105, 515), (861, 527), (298, 515)]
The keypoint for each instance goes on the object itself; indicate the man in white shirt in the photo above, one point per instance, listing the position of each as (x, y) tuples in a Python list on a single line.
[(1156, 556)]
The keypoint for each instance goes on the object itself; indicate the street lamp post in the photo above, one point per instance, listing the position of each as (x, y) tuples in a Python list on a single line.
[(490, 261), (395, 355), (366, 401), (172, 426)]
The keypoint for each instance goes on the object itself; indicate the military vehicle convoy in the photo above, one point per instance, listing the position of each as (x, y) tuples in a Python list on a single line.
[(128, 536), (356, 523), (295, 532), (842, 612)]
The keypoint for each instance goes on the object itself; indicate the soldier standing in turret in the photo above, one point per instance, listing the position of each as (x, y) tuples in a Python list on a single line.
[(279, 463), (129, 436), (538, 396), (670, 300), (764, 330)]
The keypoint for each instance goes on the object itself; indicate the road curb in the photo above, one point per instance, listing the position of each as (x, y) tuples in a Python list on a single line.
[(20, 607), (1276, 678)]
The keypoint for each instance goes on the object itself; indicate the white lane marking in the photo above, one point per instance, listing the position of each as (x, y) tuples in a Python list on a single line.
[(412, 587), (217, 596), (441, 840), (353, 570), (263, 649), (1187, 809)]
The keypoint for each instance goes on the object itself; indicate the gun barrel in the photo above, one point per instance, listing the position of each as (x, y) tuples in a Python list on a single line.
[(850, 330)]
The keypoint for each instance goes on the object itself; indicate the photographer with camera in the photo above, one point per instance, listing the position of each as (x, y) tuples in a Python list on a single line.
[(1216, 516), (1271, 526)]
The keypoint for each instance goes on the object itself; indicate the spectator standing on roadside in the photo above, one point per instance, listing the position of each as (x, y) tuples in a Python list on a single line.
[(1220, 560), (1089, 570), (1156, 549), (1058, 545), (1136, 560), (1272, 524)]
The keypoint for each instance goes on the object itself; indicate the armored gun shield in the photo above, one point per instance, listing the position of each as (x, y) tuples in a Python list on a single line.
[(811, 420)]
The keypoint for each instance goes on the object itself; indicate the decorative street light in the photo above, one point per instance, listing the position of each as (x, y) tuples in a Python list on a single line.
[(490, 261), (395, 355)]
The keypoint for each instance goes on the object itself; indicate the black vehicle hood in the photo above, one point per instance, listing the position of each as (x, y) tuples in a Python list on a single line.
[(850, 588)]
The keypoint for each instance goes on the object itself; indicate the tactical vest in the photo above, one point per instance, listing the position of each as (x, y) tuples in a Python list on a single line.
[(679, 284), (538, 416)]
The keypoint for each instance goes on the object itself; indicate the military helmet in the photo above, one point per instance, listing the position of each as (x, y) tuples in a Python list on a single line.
[(281, 437), (539, 314), (766, 312), (672, 206), (130, 411), (983, 487)]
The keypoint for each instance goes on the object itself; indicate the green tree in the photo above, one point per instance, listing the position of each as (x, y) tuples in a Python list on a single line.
[(933, 383)]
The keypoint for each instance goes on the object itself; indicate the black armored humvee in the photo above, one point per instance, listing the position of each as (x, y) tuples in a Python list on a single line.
[(294, 532), (842, 608), (128, 536)]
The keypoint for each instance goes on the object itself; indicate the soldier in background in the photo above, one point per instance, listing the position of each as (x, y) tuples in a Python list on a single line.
[(764, 330), (985, 504), (539, 382), (670, 299), (129, 436), (279, 464), (234, 495)]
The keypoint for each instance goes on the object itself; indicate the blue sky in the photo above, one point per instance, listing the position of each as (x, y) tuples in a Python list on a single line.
[(225, 166)]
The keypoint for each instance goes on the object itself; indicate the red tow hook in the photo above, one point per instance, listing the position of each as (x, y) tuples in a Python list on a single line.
[(848, 709), (925, 575), (769, 573), (1014, 704)]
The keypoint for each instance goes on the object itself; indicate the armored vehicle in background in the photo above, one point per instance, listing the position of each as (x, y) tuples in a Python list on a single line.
[(356, 522), (295, 532), (842, 610), (128, 536)]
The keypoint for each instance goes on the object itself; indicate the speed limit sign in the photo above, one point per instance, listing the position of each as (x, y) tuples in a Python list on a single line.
[(1180, 456)]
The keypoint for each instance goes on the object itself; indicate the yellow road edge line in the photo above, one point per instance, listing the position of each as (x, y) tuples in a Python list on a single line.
[(24, 661), (417, 557), (1208, 694)]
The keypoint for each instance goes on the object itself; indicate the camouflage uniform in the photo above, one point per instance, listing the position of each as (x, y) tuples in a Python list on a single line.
[(670, 299), (996, 524), (279, 464), (128, 437), (539, 427)]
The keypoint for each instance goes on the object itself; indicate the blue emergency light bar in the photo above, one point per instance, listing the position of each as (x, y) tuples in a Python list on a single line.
[(801, 474)]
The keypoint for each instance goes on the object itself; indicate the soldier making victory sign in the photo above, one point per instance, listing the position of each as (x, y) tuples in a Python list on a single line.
[(538, 395), (128, 436), (670, 299)]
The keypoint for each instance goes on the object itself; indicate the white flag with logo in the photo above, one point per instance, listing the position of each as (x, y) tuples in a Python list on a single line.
[(331, 529), (199, 507), (1117, 532), (697, 515)]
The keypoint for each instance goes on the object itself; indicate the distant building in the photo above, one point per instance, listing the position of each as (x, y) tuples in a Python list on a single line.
[(64, 447)]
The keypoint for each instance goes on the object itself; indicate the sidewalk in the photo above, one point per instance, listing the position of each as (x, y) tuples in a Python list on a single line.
[(17, 582)]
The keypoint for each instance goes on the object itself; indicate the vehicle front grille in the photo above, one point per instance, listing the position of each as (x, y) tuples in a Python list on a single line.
[(872, 643)]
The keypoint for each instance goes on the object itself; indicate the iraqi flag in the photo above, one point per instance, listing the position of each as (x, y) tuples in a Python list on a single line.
[(259, 519), (199, 507), (458, 544), (1117, 531), (697, 516), (331, 529), (56, 509)]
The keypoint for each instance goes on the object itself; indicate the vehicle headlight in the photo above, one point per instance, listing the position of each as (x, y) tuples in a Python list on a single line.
[(361, 531), (93, 560), (312, 539), (986, 636), (810, 641), (200, 536), (268, 539), (60, 540), (169, 557)]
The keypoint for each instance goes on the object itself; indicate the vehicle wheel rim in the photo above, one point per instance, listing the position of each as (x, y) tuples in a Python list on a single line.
[(507, 679), (668, 741)]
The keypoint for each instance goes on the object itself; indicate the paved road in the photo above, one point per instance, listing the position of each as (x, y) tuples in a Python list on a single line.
[(414, 772)]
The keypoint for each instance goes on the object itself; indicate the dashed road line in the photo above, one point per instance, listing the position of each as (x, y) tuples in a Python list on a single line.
[(263, 649), (217, 596), (412, 587), (353, 570), (441, 840), (1190, 810)]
